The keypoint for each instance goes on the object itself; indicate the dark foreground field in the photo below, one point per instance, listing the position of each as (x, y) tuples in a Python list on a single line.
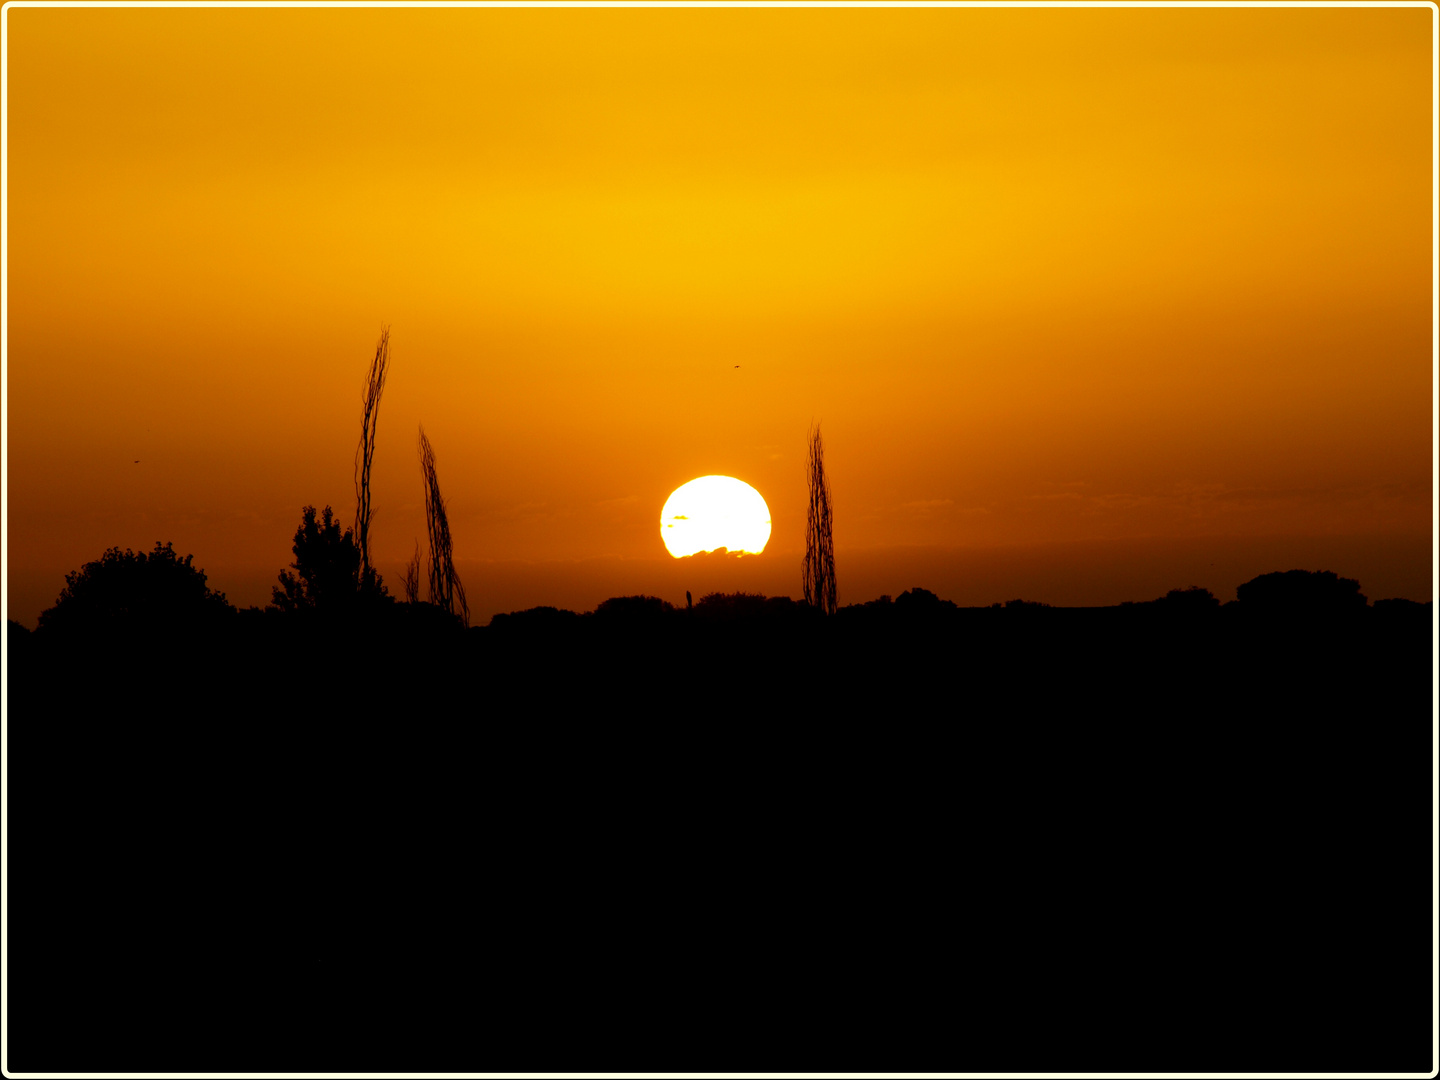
[(743, 838)]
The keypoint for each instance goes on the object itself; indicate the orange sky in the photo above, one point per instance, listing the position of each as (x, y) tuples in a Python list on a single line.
[(1090, 303)]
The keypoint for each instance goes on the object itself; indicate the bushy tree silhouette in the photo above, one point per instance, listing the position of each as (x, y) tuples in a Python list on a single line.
[(1301, 592), (639, 610), (128, 590), (327, 572), (537, 623), (920, 600), (1398, 604), (750, 607), (731, 604), (1194, 598)]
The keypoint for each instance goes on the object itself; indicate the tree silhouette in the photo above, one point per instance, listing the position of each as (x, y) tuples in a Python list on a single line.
[(921, 601), (1195, 598), (365, 452), (412, 577), (819, 570), (633, 611), (445, 588), (1301, 591), (326, 571), (135, 590)]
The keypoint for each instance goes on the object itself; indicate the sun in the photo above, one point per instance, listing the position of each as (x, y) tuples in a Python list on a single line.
[(714, 512)]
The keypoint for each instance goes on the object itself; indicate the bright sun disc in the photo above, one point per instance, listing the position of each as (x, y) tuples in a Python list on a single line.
[(714, 512)]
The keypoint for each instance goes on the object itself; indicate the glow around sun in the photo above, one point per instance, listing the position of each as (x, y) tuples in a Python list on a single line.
[(714, 512)]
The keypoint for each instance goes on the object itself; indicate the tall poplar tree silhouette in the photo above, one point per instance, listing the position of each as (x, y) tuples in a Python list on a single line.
[(819, 542), (445, 588), (365, 452)]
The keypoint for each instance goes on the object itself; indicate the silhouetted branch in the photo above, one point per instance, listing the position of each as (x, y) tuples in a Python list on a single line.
[(365, 453), (819, 571), (445, 588), (412, 577)]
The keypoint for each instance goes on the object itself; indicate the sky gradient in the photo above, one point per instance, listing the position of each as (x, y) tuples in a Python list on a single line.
[(1090, 304)]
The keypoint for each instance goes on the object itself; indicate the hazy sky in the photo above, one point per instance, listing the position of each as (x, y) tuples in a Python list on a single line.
[(1090, 303)]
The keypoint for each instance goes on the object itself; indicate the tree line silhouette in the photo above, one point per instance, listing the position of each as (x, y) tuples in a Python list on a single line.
[(998, 790), (333, 578), (349, 832), (126, 592), (331, 609)]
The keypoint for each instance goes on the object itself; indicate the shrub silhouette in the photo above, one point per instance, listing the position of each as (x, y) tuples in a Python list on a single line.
[(17, 642), (633, 609), (327, 575), (1400, 604), (542, 622), (1301, 592), (730, 605), (751, 607), (880, 608), (129, 591), (1192, 599), (918, 600)]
